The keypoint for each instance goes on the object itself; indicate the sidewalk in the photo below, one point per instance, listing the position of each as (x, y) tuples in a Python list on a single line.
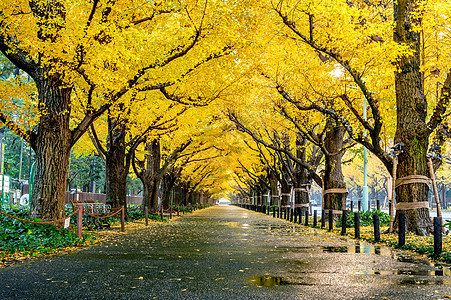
[(225, 252)]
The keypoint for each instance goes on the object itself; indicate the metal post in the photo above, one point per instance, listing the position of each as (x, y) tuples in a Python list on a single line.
[(79, 220), (21, 160), (122, 219), (343, 222), (357, 225), (323, 218), (437, 236), (365, 163), (146, 212), (331, 220), (306, 217), (401, 229), (378, 204), (377, 232), (315, 218), (2, 130)]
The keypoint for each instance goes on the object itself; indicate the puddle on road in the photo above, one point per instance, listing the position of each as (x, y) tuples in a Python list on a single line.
[(267, 281), (359, 248)]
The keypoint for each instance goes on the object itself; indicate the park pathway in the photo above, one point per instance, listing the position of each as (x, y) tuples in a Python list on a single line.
[(228, 253)]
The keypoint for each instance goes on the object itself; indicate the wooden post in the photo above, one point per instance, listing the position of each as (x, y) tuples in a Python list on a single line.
[(378, 204), (146, 211), (343, 222), (357, 225), (315, 218), (273, 211), (306, 217), (122, 219), (79, 221), (323, 218), (437, 236), (359, 205), (377, 232), (401, 229), (352, 205)]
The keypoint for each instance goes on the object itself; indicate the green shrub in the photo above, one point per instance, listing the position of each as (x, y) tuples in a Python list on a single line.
[(366, 218), (17, 235)]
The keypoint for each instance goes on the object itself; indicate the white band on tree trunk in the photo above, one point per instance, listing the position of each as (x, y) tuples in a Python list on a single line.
[(411, 205), (302, 205), (412, 179)]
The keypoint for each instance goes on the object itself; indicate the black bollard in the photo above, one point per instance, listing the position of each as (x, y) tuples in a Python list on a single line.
[(344, 217), (278, 212), (300, 215), (357, 225), (291, 214), (273, 211), (331, 220), (295, 212), (378, 204), (401, 229), (360, 205), (352, 205), (377, 232), (306, 217), (437, 236), (323, 218), (315, 218)]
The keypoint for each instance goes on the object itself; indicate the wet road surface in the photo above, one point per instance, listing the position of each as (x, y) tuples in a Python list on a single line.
[(228, 253)]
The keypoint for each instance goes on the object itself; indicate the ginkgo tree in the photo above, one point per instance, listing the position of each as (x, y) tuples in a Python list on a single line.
[(367, 48), (102, 49)]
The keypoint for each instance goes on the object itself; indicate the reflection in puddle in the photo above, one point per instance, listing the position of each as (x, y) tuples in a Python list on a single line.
[(360, 248), (445, 271), (267, 281)]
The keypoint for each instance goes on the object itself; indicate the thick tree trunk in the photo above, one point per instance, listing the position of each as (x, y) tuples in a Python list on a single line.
[(52, 147), (150, 177), (302, 180), (411, 108), (116, 169), (333, 176)]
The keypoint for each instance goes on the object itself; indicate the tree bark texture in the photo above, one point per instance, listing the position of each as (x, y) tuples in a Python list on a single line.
[(333, 176), (301, 176), (52, 145), (411, 108), (151, 176), (116, 167)]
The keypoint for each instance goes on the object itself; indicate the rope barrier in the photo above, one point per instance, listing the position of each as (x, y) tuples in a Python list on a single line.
[(103, 217), (35, 222)]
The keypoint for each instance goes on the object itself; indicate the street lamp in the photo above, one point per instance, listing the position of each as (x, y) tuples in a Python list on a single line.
[(365, 160)]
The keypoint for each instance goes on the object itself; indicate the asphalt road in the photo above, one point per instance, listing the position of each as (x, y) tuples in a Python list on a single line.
[(228, 253)]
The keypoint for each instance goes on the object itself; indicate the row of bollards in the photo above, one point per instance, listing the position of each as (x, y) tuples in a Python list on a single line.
[(296, 217)]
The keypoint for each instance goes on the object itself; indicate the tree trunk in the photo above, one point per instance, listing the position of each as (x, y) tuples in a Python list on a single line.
[(52, 147), (150, 176), (302, 180), (411, 108), (116, 169), (333, 176)]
